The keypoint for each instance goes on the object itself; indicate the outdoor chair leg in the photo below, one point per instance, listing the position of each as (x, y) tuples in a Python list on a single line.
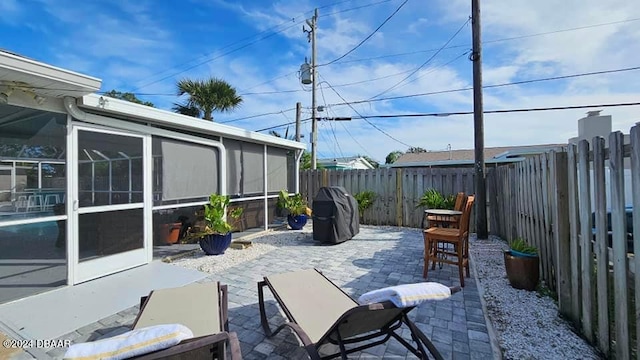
[(461, 270), (427, 255), (420, 338), (434, 252)]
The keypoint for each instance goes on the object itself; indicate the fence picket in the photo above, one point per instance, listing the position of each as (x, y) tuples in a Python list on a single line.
[(574, 225), (601, 247), (635, 186), (585, 237), (618, 226)]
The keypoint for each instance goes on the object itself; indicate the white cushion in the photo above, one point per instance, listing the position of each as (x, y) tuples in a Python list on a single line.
[(407, 295), (131, 343)]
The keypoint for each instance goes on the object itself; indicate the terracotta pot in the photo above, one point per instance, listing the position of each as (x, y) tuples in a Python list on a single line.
[(170, 233), (523, 272)]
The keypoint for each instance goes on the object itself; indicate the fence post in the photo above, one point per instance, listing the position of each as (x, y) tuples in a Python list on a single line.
[(560, 221), (601, 246), (586, 261), (399, 197), (618, 226), (574, 225), (635, 181)]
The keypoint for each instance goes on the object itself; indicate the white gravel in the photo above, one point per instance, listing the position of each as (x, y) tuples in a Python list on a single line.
[(527, 324), (232, 257)]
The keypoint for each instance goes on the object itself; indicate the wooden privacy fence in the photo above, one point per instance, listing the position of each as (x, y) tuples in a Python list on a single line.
[(578, 207), (398, 191)]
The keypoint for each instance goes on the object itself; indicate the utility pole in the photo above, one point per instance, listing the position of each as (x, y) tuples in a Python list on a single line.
[(478, 122), (298, 115), (313, 23)]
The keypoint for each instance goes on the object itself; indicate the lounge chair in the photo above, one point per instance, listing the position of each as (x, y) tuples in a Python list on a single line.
[(327, 320), (203, 309)]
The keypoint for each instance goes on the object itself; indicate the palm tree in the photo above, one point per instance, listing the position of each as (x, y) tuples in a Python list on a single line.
[(206, 96)]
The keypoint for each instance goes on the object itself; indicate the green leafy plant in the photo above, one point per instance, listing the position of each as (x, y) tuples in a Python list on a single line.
[(214, 215), (521, 245), (433, 199), (294, 204), (365, 199)]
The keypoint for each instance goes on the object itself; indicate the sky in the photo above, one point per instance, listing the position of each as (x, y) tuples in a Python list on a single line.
[(146, 46)]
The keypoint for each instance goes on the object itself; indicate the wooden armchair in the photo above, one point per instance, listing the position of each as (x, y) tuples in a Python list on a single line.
[(440, 244)]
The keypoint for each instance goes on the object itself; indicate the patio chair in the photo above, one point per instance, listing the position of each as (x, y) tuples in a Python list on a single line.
[(188, 322), (442, 243), (202, 308), (327, 320)]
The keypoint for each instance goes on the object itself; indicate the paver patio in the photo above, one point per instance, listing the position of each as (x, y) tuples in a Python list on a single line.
[(377, 257)]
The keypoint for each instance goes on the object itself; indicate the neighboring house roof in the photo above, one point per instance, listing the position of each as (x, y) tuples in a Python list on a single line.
[(352, 162), (467, 156)]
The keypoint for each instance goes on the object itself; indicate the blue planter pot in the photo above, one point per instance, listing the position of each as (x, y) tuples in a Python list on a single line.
[(297, 222), (521, 254), (215, 244)]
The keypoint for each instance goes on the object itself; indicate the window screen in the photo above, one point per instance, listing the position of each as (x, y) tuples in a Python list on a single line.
[(277, 169), (184, 170), (245, 164)]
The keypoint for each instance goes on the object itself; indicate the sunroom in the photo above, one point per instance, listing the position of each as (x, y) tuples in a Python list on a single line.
[(87, 182)]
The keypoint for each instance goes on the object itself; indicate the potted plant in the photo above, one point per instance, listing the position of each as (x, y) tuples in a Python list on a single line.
[(216, 237), (522, 264), (296, 208), (365, 199)]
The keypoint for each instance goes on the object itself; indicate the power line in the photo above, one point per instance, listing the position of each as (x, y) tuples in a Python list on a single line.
[(354, 8), (369, 36), (249, 43), (487, 41), (330, 125), (361, 81), (282, 125), (418, 51), (258, 115), (426, 62), (368, 122), (500, 111), (489, 86)]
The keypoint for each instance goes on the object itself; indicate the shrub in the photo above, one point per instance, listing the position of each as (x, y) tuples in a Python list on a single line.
[(433, 199), (365, 199), (520, 245)]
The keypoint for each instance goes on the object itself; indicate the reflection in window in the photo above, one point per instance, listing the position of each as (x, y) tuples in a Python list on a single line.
[(109, 169), (32, 162), (33, 259)]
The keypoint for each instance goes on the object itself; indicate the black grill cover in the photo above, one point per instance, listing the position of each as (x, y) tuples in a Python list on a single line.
[(335, 215)]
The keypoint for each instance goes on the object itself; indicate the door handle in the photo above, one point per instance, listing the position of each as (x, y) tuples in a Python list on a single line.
[(75, 205)]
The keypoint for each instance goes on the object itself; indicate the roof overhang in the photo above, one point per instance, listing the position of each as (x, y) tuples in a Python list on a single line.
[(29, 75), (127, 109)]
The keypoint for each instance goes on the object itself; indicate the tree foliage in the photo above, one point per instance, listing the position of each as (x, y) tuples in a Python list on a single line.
[(413, 150), (127, 96), (393, 156), (371, 161), (206, 96)]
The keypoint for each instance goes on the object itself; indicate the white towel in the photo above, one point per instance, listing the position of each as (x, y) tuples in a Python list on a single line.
[(407, 295), (131, 343)]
